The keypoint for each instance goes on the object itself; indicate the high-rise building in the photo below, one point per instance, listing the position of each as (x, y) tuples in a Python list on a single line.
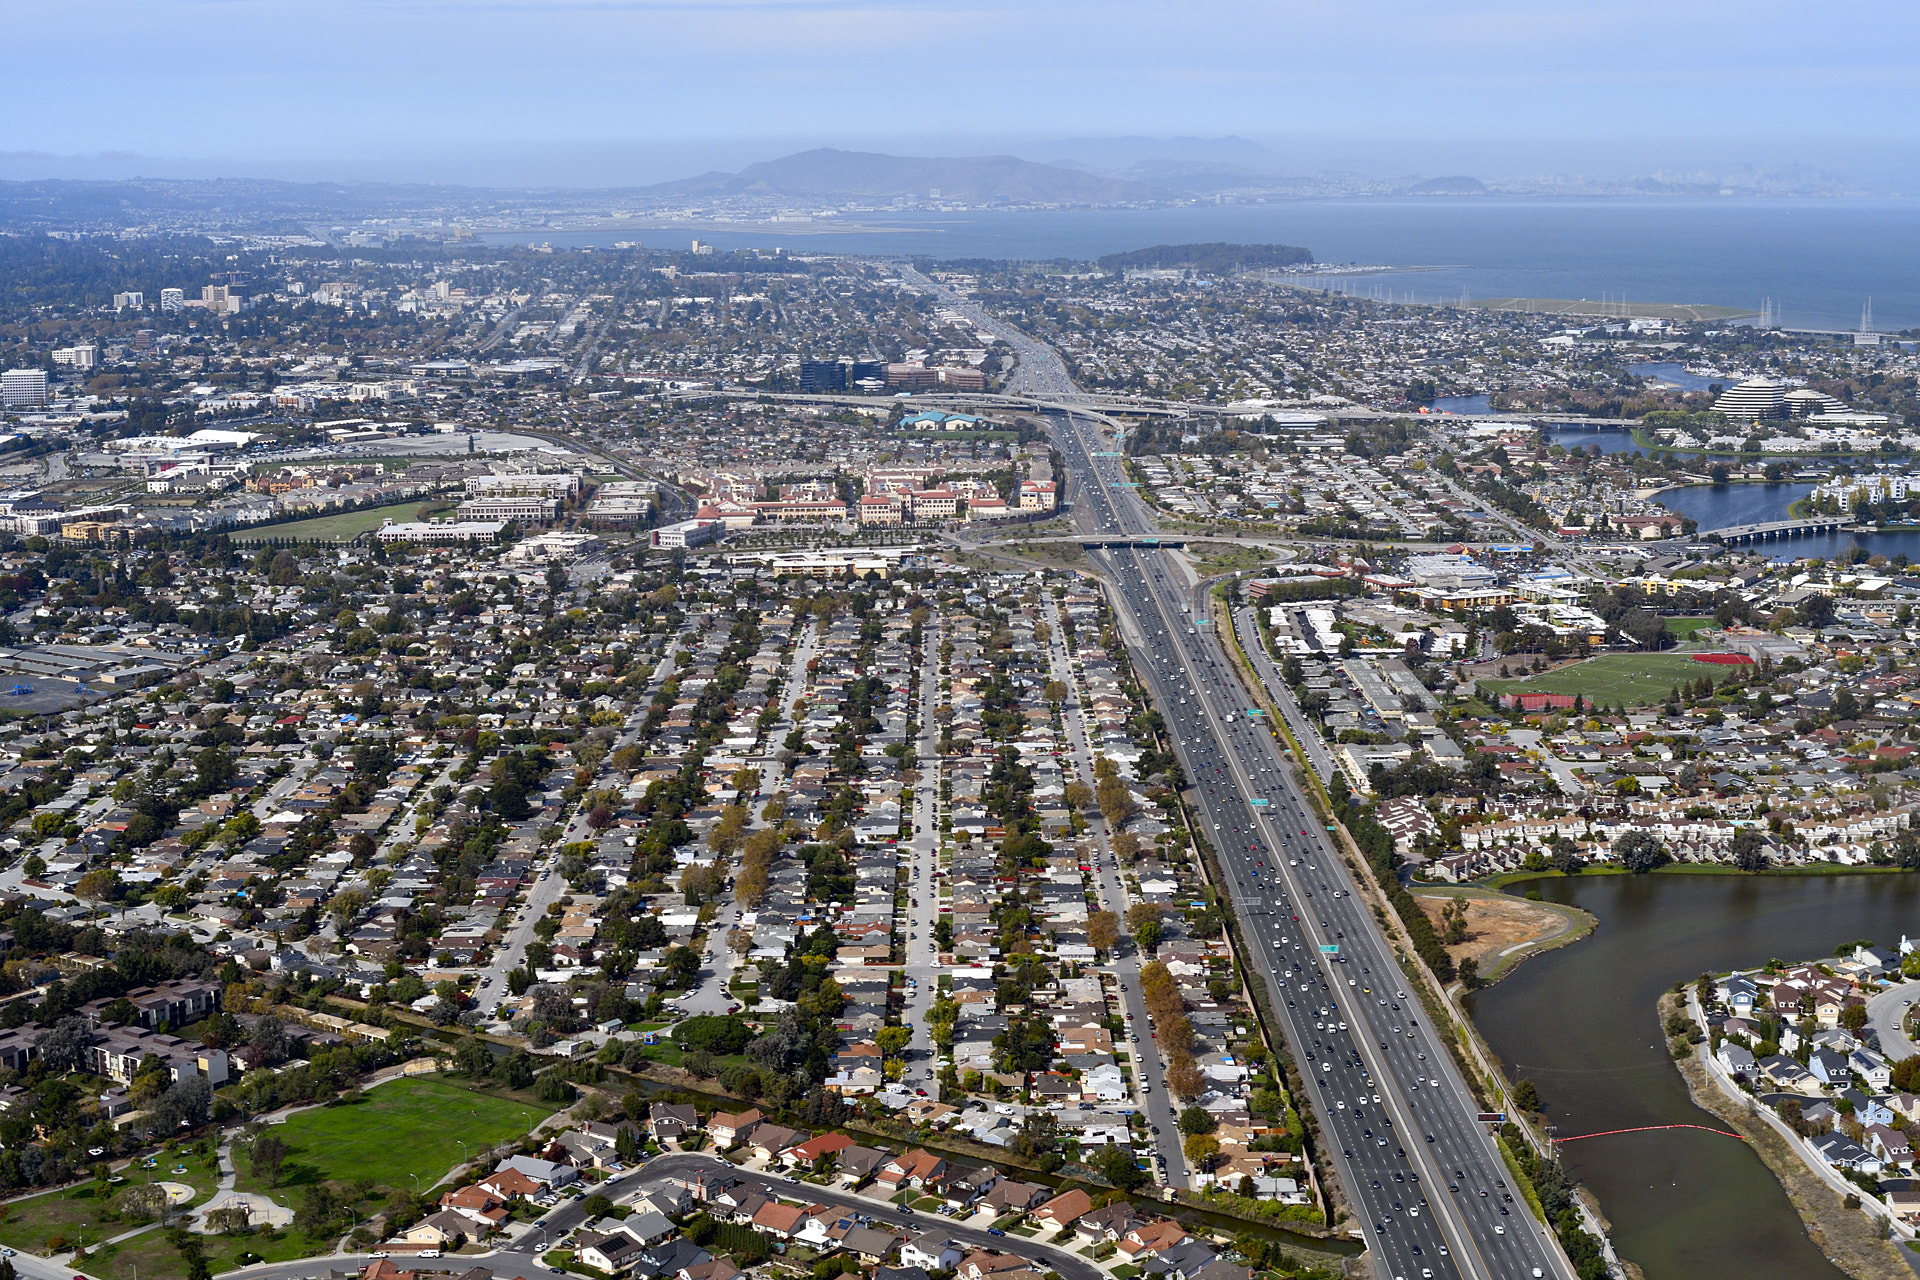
[(172, 299), (121, 301), (23, 388), (1752, 400), (823, 375)]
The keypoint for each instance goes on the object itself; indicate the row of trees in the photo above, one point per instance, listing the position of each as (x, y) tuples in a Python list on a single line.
[(1167, 1012)]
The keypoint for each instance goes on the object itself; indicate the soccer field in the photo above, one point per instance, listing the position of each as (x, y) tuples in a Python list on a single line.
[(1616, 679)]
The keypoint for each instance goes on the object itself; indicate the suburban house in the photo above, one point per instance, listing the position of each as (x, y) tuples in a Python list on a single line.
[(730, 1127), (614, 1253), (672, 1121), (934, 1251), (486, 1210), (914, 1169), (806, 1153), (443, 1229), (1064, 1210)]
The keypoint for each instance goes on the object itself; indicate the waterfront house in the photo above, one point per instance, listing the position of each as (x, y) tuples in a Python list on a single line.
[(1890, 1145), (1843, 1153), (1735, 1058)]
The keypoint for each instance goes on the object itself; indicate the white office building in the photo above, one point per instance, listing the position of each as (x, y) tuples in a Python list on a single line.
[(23, 388)]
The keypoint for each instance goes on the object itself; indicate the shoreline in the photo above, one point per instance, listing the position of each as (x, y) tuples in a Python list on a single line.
[(1576, 924), (1851, 1239), (1505, 880)]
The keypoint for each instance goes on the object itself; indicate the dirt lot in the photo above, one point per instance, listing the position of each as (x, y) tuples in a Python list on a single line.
[(1495, 923)]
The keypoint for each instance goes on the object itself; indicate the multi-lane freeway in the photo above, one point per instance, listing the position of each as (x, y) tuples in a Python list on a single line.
[(1424, 1177)]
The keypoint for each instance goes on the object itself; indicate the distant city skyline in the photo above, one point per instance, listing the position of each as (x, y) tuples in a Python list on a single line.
[(618, 93)]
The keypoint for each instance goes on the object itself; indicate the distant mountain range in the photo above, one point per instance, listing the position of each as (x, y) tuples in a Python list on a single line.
[(825, 174)]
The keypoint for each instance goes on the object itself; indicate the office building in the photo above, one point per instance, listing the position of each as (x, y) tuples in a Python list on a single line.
[(23, 388), (823, 375)]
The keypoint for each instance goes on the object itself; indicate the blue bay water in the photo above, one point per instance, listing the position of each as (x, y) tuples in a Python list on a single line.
[(1817, 260)]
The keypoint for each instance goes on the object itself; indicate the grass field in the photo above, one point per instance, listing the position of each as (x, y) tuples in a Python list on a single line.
[(1685, 627), (394, 1132), (339, 528), (1630, 679), (30, 1222)]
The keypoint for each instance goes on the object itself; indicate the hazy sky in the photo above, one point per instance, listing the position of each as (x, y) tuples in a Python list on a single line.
[(627, 90)]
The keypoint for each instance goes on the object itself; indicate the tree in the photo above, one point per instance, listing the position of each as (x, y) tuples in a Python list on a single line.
[(63, 1045), (1103, 931), (1526, 1096), (1854, 1017), (1906, 1074), (266, 1157), (1186, 1079), (1197, 1120), (893, 1041), (1147, 936), (1469, 971), (269, 1036), (102, 885), (1749, 849), (682, 964), (1201, 1148), (1116, 1165), (1640, 852)]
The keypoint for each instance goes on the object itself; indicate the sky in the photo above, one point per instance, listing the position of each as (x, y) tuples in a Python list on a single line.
[(612, 92)]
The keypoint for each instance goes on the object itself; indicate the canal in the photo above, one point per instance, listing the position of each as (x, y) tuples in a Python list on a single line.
[(1581, 1024)]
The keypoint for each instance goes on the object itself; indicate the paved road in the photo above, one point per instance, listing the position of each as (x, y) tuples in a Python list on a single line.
[(1304, 731), (567, 1215), (1884, 1012), (1381, 1082), (922, 858), (1151, 1094)]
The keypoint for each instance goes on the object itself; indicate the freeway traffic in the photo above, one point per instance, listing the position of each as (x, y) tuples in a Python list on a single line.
[(1424, 1176)]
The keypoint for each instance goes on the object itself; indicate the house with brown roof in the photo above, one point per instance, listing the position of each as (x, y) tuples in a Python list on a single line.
[(510, 1184), (488, 1211), (914, 1169), (729, 1127), (1150, 1238), (1064, 1210), (826, 1144), (779, 1220), (1106, 1225), (984, 1263), (1009, 1196)]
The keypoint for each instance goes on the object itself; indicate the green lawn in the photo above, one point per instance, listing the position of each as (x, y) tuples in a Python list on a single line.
[(29, 1223), (344, 527), (406, 1128), (1686, 627), (1632, 679)]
